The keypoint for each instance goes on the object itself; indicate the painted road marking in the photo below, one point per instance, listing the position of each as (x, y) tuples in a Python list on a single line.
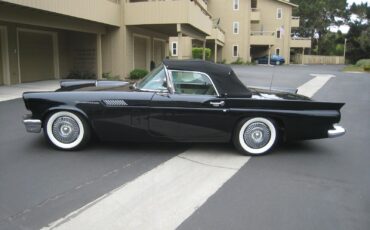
[(309, 88), (161, 198), (10, 92), (168, 194)]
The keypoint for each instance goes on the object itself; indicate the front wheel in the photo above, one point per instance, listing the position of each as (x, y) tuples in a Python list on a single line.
[(66, 130), (255, 136)]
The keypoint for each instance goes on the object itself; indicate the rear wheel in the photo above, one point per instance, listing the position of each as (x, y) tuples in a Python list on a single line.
[(66, 130), (255, 136)]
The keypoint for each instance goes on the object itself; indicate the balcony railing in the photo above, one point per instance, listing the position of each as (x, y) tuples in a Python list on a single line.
[(255, 14), (295, 22), (154, 12), (262, 37), (262, 33), (107, 12), (217, 34), (300, 42)]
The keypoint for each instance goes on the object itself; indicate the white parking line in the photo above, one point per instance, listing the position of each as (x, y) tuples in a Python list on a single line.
[(168, 194), (10, 92), (161, 198), (311, 87)]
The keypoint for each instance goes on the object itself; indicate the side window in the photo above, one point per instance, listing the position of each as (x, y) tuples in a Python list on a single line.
[(254, 4), (192, 83), (174, 48), (236, 27), (235, 4), (155, 80), (278, 33), (277, 51), (235, 51), (279, 13)]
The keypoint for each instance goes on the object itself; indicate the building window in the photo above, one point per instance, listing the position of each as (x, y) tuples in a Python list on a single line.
[(277, 51), (279, 13), (278, 33), (235, 51), (174, 48), (236, 4), (254, 4), (236, 27)]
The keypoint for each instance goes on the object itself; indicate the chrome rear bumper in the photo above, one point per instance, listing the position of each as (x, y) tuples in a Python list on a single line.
[(32, 125), (337, 131)]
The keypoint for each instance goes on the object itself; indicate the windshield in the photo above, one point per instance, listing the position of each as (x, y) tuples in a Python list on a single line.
[(155, 80)]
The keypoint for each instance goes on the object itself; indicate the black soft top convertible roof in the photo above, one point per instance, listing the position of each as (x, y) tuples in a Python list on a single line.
[(224, 78)]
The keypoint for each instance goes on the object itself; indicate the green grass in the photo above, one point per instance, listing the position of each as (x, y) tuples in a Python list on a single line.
[(353, 68), (363, 62)]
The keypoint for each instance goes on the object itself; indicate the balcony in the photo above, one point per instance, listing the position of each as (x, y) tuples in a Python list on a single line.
[(255, 15), (296, 42), (163, 15), (218, 35), (103, 11), (295, 22), (262, 38)]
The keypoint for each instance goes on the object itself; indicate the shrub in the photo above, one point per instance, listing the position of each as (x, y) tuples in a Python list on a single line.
[(238, 61), (76, 74), (110, 77), (367, 68), (198, 53), (138, 74), (363, 62)]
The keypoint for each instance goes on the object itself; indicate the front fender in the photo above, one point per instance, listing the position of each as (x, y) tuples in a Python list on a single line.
[(64, 108)]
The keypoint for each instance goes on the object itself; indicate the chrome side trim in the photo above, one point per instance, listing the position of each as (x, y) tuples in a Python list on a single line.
[(32, 125), (115, 102), (336, 132)]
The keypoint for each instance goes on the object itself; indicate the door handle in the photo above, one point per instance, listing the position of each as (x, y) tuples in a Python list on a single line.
[(217, 103)]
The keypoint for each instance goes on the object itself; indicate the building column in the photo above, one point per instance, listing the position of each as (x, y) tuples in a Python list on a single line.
[(302, 56), (179, 44), (99, 61), (204, 49), (269, 56), (215, 54)]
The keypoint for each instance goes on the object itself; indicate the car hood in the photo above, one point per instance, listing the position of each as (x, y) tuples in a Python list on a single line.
[(266, 94)]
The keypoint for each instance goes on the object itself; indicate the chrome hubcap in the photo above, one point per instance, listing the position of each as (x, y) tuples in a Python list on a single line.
[(257, 135), (65, 129)]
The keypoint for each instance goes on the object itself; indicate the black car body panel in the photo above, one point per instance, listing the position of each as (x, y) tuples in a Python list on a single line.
[(119, 111)]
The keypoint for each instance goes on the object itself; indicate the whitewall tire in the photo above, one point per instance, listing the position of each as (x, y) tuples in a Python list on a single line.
[(66, 130), (255, 136)]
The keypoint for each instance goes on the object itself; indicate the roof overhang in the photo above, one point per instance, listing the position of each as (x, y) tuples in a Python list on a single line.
[(289, 3)]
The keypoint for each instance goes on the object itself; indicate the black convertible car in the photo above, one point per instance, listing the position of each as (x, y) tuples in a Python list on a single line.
[(181, 101)]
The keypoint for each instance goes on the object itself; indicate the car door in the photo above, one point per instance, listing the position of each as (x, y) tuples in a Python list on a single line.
[(194, 111)]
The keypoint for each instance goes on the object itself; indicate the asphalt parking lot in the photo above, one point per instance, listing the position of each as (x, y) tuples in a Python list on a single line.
[(318, 184)]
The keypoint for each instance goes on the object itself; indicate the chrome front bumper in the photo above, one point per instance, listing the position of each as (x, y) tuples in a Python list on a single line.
[(32, 125), (337, 131)]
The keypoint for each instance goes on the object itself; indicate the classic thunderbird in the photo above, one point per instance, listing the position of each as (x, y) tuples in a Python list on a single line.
[(181, 101)]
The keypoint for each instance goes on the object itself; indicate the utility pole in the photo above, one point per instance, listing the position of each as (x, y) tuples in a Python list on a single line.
[(345, 47)]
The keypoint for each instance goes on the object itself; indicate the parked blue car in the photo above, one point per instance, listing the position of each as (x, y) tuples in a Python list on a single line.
[(274, 60)]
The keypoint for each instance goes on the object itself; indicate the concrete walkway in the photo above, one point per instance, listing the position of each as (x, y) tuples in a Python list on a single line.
[(9, 92)]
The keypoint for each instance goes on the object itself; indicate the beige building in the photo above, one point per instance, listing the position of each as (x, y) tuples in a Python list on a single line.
[(252, 28), (53, 39)]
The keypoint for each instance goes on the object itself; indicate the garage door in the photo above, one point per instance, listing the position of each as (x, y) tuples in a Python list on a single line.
[(140, 48), (36, 56), (1, 64)]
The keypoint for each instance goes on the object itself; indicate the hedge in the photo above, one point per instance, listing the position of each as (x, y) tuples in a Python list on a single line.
[(198, 53), (138, 74)]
